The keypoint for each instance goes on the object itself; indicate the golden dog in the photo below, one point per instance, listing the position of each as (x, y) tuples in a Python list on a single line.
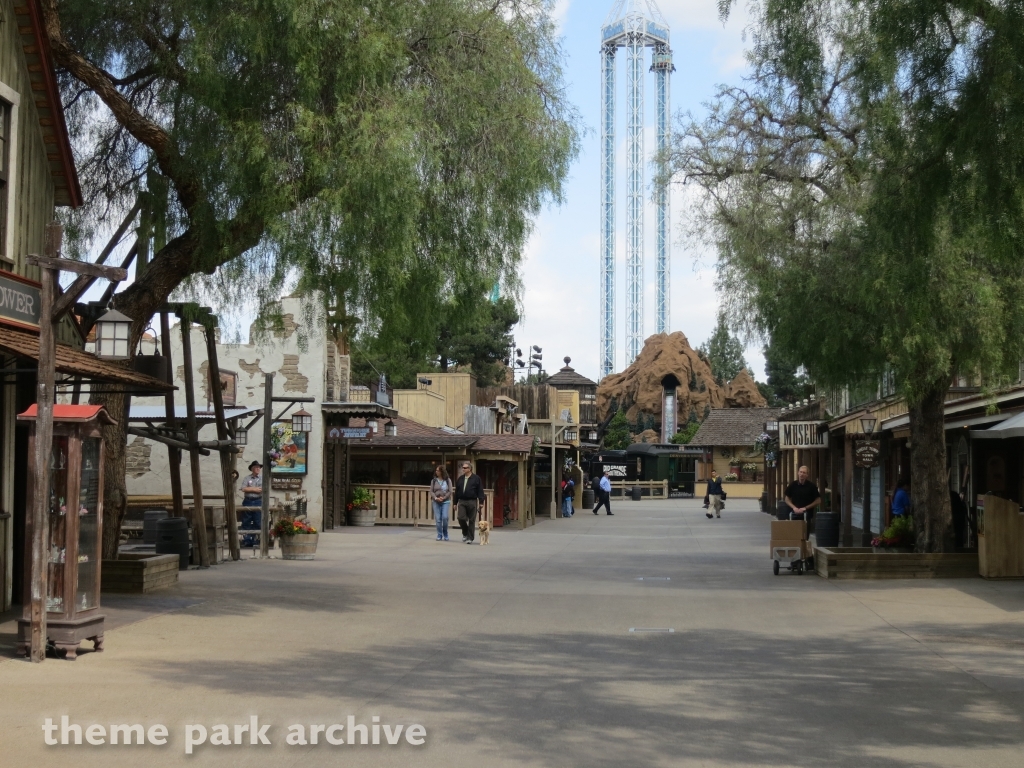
[(485, 531)]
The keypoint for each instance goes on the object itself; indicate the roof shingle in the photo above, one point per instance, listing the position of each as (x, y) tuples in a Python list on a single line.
[(733, 426)]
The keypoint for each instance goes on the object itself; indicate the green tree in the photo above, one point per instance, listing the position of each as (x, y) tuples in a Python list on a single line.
[(371, 153), (617, 437), (724, 352), (864, 193), (479, 336), (685, 435), (786, 383)]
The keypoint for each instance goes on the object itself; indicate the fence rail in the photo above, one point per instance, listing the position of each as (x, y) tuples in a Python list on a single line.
[(410, 505), (649, 489)]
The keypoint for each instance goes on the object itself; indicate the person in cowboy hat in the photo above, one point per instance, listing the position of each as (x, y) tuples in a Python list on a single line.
[(252, 489)]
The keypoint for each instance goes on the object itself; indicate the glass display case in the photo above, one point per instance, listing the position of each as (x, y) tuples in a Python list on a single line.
[(75, 529)]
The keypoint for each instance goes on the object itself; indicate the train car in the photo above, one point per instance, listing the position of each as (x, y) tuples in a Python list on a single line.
[(665, 461)]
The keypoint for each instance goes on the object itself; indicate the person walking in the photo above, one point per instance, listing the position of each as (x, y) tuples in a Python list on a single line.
[(568, 494), (714, 495), (441, 499), (469, 500), (604, 493), (252, 496)]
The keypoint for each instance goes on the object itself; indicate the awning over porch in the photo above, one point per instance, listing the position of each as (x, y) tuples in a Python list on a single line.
[(1009, 427), (74, 362)]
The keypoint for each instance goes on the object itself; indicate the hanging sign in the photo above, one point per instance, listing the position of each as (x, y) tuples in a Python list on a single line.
[(865, 455), (802, 434), (19, 301)]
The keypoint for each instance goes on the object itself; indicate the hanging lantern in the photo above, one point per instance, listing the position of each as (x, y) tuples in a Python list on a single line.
[(112, 332), (372, 424), (302, 421), (390, 428), (241, 436)]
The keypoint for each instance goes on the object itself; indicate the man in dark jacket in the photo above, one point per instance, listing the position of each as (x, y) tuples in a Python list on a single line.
[(469, 499)]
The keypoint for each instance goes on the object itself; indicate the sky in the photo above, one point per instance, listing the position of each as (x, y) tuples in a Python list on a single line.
[(561, 272)]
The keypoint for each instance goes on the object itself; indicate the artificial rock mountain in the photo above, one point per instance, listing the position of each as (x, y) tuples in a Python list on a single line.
[(638, 389)]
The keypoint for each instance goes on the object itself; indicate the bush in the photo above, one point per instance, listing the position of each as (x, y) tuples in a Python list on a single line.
[(899, 534)]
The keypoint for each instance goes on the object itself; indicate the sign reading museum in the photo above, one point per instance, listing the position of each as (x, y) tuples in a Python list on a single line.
[(802, 434)]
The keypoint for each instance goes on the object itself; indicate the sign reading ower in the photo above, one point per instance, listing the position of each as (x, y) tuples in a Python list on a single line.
[(802, 434), (19, 301)]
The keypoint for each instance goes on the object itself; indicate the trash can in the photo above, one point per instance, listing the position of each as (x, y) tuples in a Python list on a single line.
[(826, 529), (588, 498), (172, 539), (636, 493), (149, 520)]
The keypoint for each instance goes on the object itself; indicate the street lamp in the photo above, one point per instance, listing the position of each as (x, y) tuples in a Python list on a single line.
[(112, 332), (868, 425), (302, 421)]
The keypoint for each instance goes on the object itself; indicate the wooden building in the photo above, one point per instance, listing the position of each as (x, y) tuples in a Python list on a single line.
[(37, 173), (567, 380), (728, 437)]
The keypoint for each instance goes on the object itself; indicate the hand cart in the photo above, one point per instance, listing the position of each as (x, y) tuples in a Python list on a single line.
[(794, 556)]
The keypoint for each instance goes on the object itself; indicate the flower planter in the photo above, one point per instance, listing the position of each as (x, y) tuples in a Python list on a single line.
[(362, 516), (301, 546), (892, 550)]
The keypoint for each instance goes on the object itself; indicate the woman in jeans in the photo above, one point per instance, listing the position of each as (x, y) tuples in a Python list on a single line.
[(441, 497)]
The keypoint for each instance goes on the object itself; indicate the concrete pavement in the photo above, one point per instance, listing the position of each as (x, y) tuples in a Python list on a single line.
[(520, 654)]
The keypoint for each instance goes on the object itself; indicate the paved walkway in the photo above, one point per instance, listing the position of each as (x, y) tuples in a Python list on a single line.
[(520, 654)]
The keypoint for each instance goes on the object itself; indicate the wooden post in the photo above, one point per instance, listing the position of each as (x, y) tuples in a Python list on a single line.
[(198, 507), (44, 447), (554, 504), (268, 417), (833, 468), (173, 454), (848, 492), (226, 454)]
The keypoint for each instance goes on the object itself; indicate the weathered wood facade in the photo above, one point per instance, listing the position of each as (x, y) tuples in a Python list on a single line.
[(37, 174)]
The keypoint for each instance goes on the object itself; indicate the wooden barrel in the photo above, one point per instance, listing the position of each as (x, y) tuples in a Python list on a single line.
[(826, 529), (301, 546), (588, 498), (362, 517)]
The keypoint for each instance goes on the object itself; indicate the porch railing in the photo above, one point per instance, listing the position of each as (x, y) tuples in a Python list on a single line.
[(410, 505)]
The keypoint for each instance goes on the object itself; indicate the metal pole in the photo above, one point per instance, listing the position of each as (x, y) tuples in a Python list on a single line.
[(44, 448), (554, 505), (635, 189), (268, 416), (607, 359), (198, 507)]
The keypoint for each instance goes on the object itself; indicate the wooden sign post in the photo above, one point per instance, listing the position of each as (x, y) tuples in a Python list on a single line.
[(51, 309)]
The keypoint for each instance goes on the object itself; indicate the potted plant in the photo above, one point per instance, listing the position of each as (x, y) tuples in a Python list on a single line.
[(361, 510), (732, 477), (298, 539), (750, 472), (898, 537)]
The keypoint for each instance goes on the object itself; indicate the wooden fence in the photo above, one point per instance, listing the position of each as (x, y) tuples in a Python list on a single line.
[(649, 489), (410, 505)]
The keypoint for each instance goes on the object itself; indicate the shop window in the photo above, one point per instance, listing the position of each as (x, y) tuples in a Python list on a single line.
[(5, 167), (371, 472), (417, 472)]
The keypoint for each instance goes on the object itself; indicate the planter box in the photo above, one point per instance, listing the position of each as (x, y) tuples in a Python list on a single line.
[(863, 563), (301, 546), (139, 573)]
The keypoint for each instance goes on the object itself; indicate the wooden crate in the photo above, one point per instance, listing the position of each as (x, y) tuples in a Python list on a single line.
[(864, 563), (139, 573)]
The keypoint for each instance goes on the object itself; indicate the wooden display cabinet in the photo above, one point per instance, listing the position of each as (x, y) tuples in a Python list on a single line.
[(74, 550)]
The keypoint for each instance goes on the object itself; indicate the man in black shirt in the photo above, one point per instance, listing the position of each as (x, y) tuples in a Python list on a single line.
[(802, 495), (469, 498)]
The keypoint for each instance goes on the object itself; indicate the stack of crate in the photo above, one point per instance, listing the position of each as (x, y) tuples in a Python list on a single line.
[(790, 533)]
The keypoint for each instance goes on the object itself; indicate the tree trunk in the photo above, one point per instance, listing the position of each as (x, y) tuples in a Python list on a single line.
[(929, 488)]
